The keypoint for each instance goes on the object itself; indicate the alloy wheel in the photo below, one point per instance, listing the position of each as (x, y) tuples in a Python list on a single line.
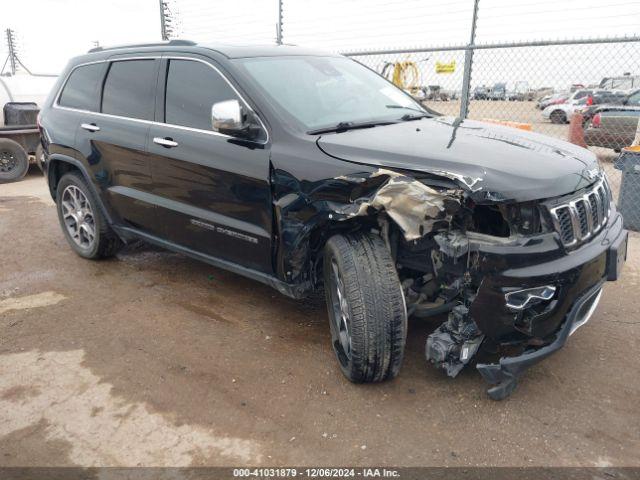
[(78, 217), (341, 318)]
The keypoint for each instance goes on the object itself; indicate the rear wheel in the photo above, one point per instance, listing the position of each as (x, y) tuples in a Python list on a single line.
[(558, 116), (14, 161), (84, 226), (367, 313)]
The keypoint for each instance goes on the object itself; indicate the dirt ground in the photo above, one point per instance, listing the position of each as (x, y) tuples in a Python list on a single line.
[(155, 359)]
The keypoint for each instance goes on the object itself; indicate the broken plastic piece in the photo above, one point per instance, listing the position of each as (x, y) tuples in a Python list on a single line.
[(455, 342)]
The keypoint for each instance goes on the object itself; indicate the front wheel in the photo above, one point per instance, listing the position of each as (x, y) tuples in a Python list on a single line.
[(367, 311), (558, 116)]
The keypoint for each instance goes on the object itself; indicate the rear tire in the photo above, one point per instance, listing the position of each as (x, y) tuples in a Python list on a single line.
[(14, 161), (558, 116), (83, 224), (367, 311)]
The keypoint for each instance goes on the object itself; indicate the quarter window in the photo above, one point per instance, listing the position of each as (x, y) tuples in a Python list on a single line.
[(81, 88), (192, 89), (129, 89), (634, 99)]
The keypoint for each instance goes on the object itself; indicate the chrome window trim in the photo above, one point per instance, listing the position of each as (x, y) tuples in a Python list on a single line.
[(57, 105)]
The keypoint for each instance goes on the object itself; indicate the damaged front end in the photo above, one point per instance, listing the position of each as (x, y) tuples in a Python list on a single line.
[(497, 268)]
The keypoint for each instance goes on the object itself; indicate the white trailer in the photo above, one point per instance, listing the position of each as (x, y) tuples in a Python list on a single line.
[(21, 96)]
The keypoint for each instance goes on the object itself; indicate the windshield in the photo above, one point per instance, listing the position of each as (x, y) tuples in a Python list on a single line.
[(324, 91)]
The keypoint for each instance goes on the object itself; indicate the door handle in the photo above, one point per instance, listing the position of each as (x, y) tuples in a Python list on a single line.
[(165, 142), (92, 127)]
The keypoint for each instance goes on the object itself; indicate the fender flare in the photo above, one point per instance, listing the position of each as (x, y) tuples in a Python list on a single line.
[(57, 157)]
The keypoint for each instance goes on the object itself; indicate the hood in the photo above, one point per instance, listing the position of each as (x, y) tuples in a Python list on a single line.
[(495, 163)]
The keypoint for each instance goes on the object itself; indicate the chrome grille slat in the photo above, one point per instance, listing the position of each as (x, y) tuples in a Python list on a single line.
[(582, 216), (595, 209)]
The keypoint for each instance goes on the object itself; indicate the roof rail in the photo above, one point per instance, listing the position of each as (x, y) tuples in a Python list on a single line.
[(171, 43)]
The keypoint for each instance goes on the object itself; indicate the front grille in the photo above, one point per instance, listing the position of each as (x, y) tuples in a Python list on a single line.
[(583, 216)]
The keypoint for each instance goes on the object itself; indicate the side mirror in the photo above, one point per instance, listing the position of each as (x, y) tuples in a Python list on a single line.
[(230, 118)]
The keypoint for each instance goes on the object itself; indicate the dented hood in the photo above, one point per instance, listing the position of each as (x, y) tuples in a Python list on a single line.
[(495, 162)]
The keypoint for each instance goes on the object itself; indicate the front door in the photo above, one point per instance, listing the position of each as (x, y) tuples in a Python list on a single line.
[(212, 191)]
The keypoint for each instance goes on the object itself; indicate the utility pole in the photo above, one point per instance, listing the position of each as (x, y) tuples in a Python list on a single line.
[(13, 58), (163, 27), (168, 22), (11, 40)]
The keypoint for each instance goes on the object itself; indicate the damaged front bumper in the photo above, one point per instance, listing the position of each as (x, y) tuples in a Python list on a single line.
[(578, 276)]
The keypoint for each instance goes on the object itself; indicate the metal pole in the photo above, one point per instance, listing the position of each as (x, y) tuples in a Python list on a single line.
[(163, 26), (12, 52), (279, 24), (468, 64)]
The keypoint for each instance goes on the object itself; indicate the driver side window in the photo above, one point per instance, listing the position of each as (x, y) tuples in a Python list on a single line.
[(191, 89)]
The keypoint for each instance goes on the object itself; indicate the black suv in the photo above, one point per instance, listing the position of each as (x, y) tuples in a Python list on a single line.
[(302, 169)]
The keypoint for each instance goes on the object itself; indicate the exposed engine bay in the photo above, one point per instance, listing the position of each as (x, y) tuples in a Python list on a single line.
[(454, 246)]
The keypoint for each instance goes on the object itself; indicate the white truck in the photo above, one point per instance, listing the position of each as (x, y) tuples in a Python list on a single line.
[(21, 96)]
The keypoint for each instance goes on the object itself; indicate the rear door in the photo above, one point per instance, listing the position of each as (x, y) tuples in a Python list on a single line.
[(212, 191), (114, 141)]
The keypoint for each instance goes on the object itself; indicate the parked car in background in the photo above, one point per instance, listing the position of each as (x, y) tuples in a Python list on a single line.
[(553, 99), (481, 92), (21, 96), (561, 113), (431, 93), (614, 126), (498, 92), (609, 99)]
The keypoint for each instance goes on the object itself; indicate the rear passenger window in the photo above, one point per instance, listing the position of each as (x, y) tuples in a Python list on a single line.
[(129, 89), (192, 88), (81, 89)]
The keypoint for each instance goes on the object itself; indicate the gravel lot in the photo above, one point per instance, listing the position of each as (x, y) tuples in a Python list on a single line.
[(155, 359)]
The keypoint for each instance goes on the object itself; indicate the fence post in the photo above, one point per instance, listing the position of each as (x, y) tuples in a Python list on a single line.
[(468, 64), (279, 24)]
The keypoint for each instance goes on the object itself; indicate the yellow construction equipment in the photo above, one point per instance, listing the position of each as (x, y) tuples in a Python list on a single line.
[(404, 74)]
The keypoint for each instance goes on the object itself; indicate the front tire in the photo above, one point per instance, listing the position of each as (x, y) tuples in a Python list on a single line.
[(367, 311), (83, 224), (558, 116)]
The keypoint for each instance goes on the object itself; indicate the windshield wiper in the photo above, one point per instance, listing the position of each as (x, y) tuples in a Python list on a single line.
[(344, 126), (408, 116)]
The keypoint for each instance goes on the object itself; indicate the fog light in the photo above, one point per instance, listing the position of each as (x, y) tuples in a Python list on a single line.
[(521, 299)]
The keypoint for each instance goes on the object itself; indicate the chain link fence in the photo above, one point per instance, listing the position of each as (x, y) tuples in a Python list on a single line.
[(581, 91), (570, 69)]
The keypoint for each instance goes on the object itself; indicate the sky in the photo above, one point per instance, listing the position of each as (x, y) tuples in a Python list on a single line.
[(351, 25)]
